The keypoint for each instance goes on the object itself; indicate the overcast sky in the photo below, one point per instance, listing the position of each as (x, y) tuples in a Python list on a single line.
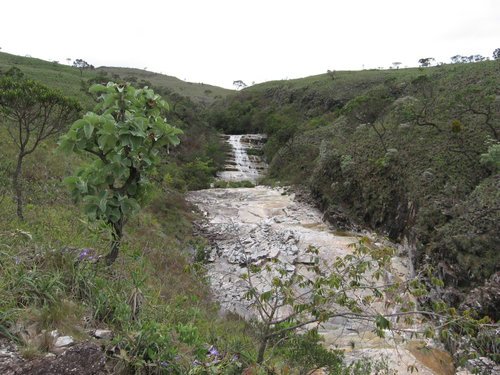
[(219, 41)]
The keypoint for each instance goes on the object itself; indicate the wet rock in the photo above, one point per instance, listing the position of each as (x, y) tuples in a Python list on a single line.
[(240, 166), (339, 219)]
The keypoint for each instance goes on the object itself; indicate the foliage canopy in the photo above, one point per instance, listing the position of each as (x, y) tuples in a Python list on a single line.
[(125, 135), (32, 113)]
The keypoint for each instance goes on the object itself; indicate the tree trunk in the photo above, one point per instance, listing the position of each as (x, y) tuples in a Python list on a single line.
[(262, 351), (17, 186), (115, 243), (380, 136)]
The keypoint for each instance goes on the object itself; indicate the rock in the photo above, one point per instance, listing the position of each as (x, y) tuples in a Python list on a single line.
[(293, 250), (306, 259), (482, 365), (211, 256), (289, 267), (283, 230), (339, 219), (274, 252), (63, 341), (485, 299), (289, 236), (428, 175), (104, 334)]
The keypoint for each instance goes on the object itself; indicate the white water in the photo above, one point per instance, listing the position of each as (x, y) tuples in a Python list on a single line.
[(241, 166)]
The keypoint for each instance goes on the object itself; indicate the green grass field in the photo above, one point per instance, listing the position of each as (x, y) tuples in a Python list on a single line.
[(68, 78)]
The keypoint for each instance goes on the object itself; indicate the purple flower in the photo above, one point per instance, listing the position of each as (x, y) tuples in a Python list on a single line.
[(213, 351), (86, 254), (83, 254), (164, 364)]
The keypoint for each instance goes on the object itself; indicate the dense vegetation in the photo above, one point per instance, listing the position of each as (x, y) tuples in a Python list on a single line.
[(411, 152)]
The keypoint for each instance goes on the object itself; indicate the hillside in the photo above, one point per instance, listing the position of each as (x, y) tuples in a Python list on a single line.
[(409, 153), (68, 78), (200, 93), (412, 153), (50, 275)]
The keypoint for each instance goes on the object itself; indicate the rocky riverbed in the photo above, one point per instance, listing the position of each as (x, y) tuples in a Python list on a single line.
[(254, 225)]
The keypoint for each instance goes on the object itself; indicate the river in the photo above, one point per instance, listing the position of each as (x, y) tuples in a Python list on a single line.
[(256, 225)]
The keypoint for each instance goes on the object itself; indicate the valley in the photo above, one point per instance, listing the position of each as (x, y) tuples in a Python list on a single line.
[(343, 223)]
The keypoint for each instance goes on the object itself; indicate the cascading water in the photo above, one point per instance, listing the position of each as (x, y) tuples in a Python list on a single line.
[(241, 166)]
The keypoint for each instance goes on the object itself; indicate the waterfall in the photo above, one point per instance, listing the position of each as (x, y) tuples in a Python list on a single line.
[(240, 166)]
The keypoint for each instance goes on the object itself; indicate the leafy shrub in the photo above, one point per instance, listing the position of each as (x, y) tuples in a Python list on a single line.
[(491, 159), (150, 346), (233, 184)]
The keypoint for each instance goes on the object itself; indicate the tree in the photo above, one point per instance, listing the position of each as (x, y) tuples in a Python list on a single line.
[(496, 54), (426, 61), (32, 113), (369, 109), (239, 84), (357, 288), (396, 64), (82, 64), (286, 301), (124, 135)]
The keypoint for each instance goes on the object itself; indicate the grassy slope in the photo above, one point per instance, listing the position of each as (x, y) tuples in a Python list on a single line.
[(63, 77), (68, 78), (427, 186), (44, 283), (198, 92)]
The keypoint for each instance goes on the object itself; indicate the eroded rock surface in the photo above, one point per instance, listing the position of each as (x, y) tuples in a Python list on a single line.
[(255, 225)]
